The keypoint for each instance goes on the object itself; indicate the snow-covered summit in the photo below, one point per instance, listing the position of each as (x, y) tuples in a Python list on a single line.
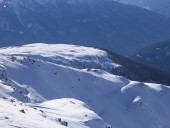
[(53, 50), (70, 55)]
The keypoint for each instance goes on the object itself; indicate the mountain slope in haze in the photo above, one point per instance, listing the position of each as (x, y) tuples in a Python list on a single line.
[(138, 71), (105, 24), (159, 6), (42, 82), (157, 55)]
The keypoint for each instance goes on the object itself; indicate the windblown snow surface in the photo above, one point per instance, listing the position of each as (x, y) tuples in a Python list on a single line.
[(51, 86)]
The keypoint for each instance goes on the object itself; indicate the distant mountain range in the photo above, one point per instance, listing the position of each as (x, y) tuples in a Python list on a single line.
[(139, 71), (157, 56), (100, 23), (159, 6)]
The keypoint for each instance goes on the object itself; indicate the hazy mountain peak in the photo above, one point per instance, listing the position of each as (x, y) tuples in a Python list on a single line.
[(159, 6)]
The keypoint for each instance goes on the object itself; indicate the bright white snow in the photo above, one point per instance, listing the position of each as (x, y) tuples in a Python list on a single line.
[(48, 85)]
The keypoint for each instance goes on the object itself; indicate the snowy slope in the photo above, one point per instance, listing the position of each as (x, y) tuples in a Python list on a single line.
[(38, 82), (48, 114), (159, 6), (100, 23)]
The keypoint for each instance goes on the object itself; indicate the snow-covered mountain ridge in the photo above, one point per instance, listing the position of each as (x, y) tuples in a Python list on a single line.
[(88, 58), (43, 89)]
